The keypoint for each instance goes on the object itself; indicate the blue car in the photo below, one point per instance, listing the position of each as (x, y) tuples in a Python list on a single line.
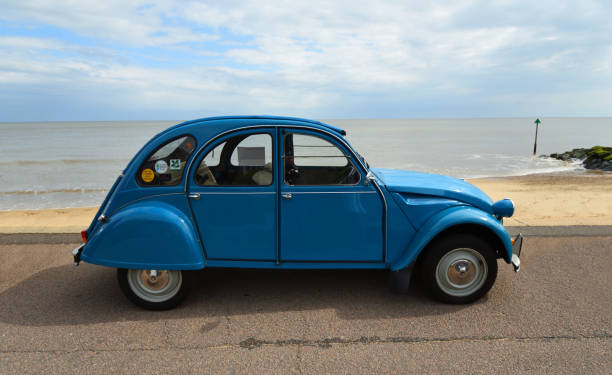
[(289, 193)]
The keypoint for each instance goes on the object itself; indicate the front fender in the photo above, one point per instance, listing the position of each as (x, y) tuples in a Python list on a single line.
[(146, 235), (448, 218)]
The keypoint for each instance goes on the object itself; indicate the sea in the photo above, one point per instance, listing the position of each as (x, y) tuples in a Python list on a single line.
[(73, 164)]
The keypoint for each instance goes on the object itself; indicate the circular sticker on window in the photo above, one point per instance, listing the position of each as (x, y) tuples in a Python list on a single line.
[(147, 175), (161, 166)]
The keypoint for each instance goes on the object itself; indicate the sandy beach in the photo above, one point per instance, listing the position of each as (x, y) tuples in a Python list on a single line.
[(552, 200), (542, 200)]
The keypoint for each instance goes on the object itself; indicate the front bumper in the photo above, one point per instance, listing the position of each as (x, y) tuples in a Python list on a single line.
[(517, 246), (76, 254)]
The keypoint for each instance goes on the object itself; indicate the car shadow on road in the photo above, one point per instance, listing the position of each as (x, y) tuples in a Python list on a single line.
[(89, 294)]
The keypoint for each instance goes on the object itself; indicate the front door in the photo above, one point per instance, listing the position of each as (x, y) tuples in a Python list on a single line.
[(328, 211), (232, 193)]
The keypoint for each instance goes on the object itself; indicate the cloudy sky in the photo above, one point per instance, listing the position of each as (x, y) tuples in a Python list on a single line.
[(131, 59)]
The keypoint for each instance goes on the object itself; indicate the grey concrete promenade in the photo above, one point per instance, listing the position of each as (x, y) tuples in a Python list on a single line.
[(555, 316)]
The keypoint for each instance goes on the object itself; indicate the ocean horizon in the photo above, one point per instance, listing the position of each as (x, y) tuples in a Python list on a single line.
[(73, 164)]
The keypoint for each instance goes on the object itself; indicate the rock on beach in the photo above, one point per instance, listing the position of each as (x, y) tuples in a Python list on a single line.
[(596, 157)]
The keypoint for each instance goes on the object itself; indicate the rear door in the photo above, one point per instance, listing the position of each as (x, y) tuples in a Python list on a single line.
[(232, 192)]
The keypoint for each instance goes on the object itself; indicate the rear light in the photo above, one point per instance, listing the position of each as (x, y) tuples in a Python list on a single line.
[(84, 236)]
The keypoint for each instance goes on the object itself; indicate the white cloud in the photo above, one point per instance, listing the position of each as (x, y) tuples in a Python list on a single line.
[(133, 22), (310, 57), (17, 42)]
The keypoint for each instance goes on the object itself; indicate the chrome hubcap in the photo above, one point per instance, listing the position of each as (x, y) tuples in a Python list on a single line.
[(155, 285), (461, 272), (153, 279)]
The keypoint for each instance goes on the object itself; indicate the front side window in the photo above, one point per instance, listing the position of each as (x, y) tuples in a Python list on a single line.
[(312, 160), (243, 160), (166, 165)]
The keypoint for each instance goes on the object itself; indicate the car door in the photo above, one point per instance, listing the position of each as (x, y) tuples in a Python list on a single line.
[(232, 193), (328, 210)]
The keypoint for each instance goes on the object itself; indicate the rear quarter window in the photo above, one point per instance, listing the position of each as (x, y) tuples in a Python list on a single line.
[(166, 165)]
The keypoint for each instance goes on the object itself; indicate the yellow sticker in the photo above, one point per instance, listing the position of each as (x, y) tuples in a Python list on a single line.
[(147, 175)]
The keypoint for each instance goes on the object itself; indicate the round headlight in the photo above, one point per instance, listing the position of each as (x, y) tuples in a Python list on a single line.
[(504, 208)]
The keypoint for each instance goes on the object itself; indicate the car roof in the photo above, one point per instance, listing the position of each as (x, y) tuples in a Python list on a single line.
[(205, 119)]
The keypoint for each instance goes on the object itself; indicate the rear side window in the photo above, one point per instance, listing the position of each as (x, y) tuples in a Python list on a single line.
[(166, 165)]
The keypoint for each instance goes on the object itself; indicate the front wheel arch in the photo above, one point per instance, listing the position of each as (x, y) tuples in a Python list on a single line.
[(459, 219), (476, 230)]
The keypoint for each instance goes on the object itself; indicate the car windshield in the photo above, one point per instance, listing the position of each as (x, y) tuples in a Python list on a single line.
[(363, 160)]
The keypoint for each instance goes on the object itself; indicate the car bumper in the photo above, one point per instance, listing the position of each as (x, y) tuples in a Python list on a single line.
[(76, 254), (517, 246)]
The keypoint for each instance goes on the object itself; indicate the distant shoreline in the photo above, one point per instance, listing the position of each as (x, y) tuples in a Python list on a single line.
[(59, 164), (549, 199), (101, 193)]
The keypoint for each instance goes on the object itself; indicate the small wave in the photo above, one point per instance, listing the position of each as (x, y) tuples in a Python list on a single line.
[(38, 192)]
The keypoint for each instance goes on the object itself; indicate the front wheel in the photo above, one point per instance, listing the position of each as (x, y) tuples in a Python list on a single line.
[(154, 289), (459, 269)]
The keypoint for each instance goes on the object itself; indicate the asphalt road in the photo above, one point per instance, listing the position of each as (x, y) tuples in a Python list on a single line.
[(555, 316)]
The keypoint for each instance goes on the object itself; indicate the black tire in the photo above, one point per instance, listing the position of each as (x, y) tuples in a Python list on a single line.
[(134, 292), (447, 265)]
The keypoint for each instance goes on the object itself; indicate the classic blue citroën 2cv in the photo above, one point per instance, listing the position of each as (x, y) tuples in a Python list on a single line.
[(289, 193)]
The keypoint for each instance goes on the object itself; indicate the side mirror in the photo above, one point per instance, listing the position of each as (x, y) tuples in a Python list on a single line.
[(369, 177)]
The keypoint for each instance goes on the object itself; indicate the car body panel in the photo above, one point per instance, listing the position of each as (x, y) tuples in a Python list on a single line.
[(418, 183), (330, 223), (445, 219), (237, 225), (419, 208), (399, 230), (236, 222), (149, 234)]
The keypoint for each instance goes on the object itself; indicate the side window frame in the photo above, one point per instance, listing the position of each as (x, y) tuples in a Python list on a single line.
[(223, 139), (138, 174), (347, 154)]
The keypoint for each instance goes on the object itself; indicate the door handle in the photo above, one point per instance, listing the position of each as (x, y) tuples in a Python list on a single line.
[(195, 196), (287, 196)]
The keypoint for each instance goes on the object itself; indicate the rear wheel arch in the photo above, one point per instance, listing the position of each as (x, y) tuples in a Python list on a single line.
[(146, 235)]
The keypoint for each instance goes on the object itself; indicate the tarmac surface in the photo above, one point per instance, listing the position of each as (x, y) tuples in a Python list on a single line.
[(555, 316)]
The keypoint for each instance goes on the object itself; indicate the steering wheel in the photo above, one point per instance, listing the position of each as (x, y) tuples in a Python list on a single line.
[(348, 176), (292, 175)]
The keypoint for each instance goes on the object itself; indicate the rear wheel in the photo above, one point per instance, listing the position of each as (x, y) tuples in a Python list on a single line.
[(459, 269), (154, 289)]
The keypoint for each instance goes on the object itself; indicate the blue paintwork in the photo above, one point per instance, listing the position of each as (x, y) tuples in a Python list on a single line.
[(350, 222), (503, 208), (384, 223), (446, 219), (151, 234), (399, 181), (296, 265), (235, 222), (419, 208), (348, 218), (234, 225)]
